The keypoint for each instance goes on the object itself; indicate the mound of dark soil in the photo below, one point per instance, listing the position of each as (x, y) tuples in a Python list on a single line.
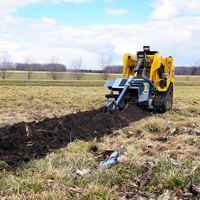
[(26, 141)]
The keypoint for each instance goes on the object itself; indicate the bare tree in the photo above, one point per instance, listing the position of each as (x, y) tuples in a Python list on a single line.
[(53, 68), (104, 63), (197, 65), (76, 66), (28, 59), (5, 65)]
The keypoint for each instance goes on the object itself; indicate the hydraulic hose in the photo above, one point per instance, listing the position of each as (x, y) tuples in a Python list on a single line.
[(138, 65)]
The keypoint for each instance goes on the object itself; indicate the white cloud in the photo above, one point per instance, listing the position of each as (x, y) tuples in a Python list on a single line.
[(120, 49), (44, 38), (177, 37), (167, 9), (116, 12), (187, 6), (164, 11), (9, 46), (10, 6), (43, 23), (10, 21)]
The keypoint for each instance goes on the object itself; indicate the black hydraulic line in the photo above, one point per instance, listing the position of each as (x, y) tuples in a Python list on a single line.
[(146, 79), (131, 60), (129, 57), (138, 65)]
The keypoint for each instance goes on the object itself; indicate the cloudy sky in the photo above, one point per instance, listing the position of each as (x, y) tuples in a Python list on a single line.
[(72, 29)]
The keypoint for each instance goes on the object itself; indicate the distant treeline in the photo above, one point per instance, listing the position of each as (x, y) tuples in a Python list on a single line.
[(116, 69), (193, 70), (39, 67), (62, 68), (179, 70)]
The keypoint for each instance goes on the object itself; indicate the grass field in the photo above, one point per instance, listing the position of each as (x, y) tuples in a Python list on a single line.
[(67, 79), (44, 76), (174, 162), (28, 103), (65, 76), (187, 78)]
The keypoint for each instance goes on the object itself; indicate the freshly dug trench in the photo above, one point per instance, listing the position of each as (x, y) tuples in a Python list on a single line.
[(25, 141)]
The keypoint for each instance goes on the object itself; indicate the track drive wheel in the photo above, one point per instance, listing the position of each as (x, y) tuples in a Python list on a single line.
[(169, 99), (163, 101)]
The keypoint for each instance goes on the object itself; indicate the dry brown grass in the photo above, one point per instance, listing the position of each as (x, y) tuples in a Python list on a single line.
[(30, 103), (168, 142)]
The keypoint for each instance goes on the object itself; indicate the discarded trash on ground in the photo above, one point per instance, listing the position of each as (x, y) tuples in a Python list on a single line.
[(114, 158)]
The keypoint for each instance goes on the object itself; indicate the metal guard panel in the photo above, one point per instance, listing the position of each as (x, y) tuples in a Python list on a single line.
[(123, 82), (120, 83), (109, 83), (143, 92)]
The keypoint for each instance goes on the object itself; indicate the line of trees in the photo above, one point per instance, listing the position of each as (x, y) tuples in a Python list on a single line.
[(38, 67), (193, 70), (55, 69), (179, 70)]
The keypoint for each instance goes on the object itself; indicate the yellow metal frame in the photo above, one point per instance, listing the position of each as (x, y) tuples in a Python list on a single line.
[(156, 61)]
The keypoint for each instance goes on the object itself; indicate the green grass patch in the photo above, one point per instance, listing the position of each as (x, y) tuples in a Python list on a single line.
[(79, 83), (64, 76)]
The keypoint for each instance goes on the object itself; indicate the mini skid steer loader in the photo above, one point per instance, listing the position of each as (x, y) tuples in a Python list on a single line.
[(147, 80)]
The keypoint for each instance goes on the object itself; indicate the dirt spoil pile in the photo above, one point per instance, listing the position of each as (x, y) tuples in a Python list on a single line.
[(22, 142)]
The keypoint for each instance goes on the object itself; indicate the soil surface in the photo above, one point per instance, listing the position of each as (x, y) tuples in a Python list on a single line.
[(22, 142)]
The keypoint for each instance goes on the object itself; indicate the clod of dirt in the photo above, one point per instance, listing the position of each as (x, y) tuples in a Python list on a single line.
[(152, 149), (25, 141), (94, 148), (122, 159), (162, 139)]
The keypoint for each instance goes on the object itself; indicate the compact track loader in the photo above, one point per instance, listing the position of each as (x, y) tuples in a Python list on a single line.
[(147, 80)]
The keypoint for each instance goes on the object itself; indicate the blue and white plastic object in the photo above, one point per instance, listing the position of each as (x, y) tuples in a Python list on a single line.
[(111, 160)]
